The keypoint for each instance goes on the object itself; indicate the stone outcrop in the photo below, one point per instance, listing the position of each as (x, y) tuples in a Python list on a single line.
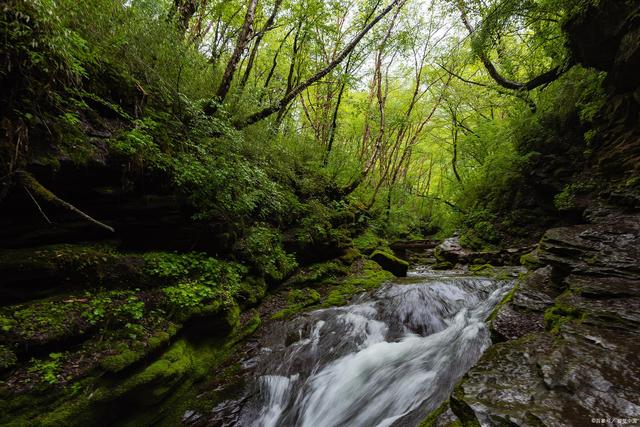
[(571, 335), (451, 251), (567, 342)]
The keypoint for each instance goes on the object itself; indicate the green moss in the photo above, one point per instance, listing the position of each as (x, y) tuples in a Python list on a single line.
[(249, 327), (531, 260), (442, 265), (505, 300), (461, 409), (202, 358), (350, 256), (561, 313), (322, 273), (305, 296), (251, 291), (481, 268), (128, 356), (297, 300), (371, 276), (390, 263), (431, 419), (148, 386), (368, 242), (44, 321)]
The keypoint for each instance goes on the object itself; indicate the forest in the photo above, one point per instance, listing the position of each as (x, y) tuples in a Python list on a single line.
[(319, 212)]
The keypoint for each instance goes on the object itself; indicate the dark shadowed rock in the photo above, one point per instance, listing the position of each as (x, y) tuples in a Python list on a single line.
[(391, 263)]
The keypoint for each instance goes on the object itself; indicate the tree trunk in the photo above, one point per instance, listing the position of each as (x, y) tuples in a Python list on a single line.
[(241, 43), (184, 9), (254, 51)]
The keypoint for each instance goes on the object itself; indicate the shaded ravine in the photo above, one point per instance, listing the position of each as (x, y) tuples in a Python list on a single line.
[(389, 358)]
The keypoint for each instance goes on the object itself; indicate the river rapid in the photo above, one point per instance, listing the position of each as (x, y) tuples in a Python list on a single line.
[(389, 358)]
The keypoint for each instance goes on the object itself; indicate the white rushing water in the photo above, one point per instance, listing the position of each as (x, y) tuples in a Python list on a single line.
[(373, 363)]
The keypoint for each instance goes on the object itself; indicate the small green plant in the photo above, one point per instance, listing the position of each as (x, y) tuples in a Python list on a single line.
[(566, 199), (6, 323), (263, 248), (133, 308), (97, 308), (134, 330), (48, 369), (188, 295)]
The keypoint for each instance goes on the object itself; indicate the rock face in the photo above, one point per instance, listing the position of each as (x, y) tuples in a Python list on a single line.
[(572, 335), (451, 251)]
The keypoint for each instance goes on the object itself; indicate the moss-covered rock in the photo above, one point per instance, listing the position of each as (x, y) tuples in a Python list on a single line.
[(366, 275), (442, 265), (129, 355), (298, 300), (431, 420), (391, 263), (531, 260), (368, 242), (318, 274), (251, 291)]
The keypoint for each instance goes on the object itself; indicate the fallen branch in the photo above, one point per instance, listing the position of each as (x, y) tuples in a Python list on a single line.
[(30, 183)]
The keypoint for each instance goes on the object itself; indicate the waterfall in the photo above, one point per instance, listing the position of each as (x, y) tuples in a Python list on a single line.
[(392, 353)]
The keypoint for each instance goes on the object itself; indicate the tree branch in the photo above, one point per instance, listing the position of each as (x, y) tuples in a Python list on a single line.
[(540, 80), (293, 93), (30, 183)]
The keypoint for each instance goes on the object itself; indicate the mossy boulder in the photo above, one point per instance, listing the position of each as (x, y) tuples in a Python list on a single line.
[(322, 273), (366, 275), (391, 263), (368, 242), (298, 300), (442, 265)]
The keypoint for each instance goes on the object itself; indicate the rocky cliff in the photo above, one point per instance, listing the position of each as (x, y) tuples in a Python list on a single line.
[(566, 342)]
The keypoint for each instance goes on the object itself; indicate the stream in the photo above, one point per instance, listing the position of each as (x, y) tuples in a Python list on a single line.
[(389, 358)]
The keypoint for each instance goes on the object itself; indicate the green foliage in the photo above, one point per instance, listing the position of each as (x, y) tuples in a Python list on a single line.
[(48, 368), (98, 308), (502, 197), (8, 358), (188, 295), (207, 270), (120, 305), (226, 180), (138, 144), (368, 242), (262, 248)]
